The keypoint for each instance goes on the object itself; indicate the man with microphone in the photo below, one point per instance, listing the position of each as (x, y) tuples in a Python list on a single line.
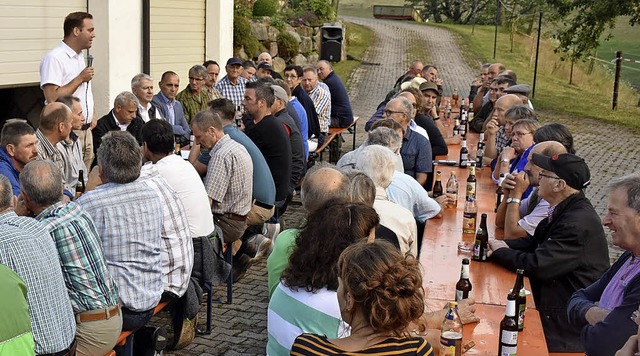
[(63, 72)]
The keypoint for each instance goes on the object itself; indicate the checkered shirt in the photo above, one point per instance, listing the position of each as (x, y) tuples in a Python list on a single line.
[(229, 178), (129, 220), (49, 152), (321, 97), (177, 251), (232, 92), (502, 140), (84, 268), (27, 248)]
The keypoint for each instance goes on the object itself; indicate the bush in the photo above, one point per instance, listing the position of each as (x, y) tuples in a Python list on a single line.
[(265, 8), (243, 38), (288, 47), (321, 8)]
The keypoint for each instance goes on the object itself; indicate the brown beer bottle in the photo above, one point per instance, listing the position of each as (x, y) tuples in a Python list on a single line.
[(463, 287), (482, 241), (520, 297), (454, 98), (508, 342), (464, 154), (437, 186), (499, 192), (80, 187), (177, 149), (472, 182)]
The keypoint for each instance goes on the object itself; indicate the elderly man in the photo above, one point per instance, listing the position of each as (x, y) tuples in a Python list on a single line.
[(604, 309), (132, 249), (193, 98), (520, 218), (495, 135), (18, 146), (293, 78), (265, 57), (319, 93), (93, 293), (123, 117), (415, 69), (232, 85), (279, 111), (496, 90), (55, 126), (483, 92), (170, 108), (341, 113), (27, 248), (142, 88), (70, 149), (213, 69), (416, 149), (568, 250), (64, 72)]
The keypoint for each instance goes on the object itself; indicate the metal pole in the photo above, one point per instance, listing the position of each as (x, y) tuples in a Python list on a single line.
[(535, 70), (495, 37), (616, 82)]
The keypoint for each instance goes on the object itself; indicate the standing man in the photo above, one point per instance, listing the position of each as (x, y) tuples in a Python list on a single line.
[(170, 108), (123, 117), (194, 98), (232, 85), (18, 146), (213, 68), (341, 113), (63, 72), (142, 88), (248, 70), (321, 97), (70, 148)]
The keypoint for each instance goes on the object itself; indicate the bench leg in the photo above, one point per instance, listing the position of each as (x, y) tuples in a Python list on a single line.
[(229, 256), (355, 129), (128, 346), (209, 290)]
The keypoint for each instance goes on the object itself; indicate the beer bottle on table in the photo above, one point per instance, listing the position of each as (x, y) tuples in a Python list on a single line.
[(470, 112), (447, 114), (452, 191), (472, 183), (437, 186), (469, 216), (464, 123), (177, 149), (520, 297), (482, 241), (499, 192), (464, 154), (509, 329), (456, 127), (455, 97), (480, 152), (463, 287), (80, 187), (451, 332)]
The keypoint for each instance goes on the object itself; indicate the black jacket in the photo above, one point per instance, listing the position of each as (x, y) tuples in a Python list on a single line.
[(108, 123), (564, 255)]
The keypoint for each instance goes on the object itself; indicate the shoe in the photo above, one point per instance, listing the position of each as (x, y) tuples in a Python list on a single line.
[(258, 246), (271, 230), (149, 340), (187, 333), (240, 266)]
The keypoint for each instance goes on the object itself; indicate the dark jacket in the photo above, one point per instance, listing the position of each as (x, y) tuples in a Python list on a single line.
[(310, 109), (438, 144), (617, 327), (108, 123), (180, 126), (341, 113), (297, 149), (564, 255)]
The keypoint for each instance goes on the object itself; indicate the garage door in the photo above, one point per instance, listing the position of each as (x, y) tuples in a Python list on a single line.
[(28, 30), (177, 37)]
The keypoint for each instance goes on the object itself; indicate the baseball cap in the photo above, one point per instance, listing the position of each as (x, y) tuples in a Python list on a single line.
[(265, 65), (569, 167), (429, 86), (234, 61), (280, 93), (524, 89), (413, 83)]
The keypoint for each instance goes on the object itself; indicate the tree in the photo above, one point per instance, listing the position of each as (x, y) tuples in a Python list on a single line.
[(456, 11)]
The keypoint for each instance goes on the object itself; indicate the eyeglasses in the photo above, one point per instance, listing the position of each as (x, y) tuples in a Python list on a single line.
[(548, 176), (520, 134), (389, 112), (196, 79)]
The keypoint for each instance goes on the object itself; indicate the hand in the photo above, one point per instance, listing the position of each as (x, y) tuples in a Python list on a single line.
[(438, 81), (596, 314), (492, 126), (496, 245), (433, 112), (466, 310), (521, 180), (443, 200), (86, 74), (508, 153), (631, 346), (455, 140), (508, 183), (21, 208), (476, 83)]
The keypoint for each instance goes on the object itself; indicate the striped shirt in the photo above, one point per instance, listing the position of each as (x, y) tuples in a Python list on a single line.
[(129, 219), (177, 251), (322, 101), (311, 344), (292, 313), (49, 152), (27, 248), (84, 268), (192, 104), (233, 92), (229, 178), (71, 154)]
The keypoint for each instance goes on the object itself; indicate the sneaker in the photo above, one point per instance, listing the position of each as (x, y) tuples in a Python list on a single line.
[(258, 246), (271, 230)]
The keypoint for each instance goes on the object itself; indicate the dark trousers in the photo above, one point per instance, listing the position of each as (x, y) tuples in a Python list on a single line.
[(132, 320)]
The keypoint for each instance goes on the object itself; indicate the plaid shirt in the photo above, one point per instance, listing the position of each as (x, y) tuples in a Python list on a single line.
[(230, 91), (129, 219), (27, 248), (322, 101), (229, 178), (84, 268), (502, 140), (49, 152), (71, 154), (192, 104), (177, 251)]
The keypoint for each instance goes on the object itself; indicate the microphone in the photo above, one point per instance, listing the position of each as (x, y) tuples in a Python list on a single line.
[(89, 60)]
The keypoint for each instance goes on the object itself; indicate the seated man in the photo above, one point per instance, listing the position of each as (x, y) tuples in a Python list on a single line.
[(132, 248), (27, 248), (293, 76), (18, 146), (341, 113), (430, 73), (123, 117), (170, 108), (568, 250), (93, 293), (213, 69), (319, 93), (483, 92), (194, 98), (495, 135), (604, 310), (70, 148), (55, 126), (142, 88), (496, 90)]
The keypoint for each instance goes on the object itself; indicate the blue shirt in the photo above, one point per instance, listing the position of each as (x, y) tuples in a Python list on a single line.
[(304, 125), (408, 193), (9, 170), (416, 154)]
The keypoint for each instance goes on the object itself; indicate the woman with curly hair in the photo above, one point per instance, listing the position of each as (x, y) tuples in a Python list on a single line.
[(305, 300), (380, 294)]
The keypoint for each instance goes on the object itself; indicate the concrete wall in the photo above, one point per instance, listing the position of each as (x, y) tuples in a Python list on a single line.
[(219, 32)]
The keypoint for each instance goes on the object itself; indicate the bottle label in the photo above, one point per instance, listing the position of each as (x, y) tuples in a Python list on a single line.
[(459, 295), (509, 338), (521, 310), (451, 338), (469, 223), (476, 250), (471, 190), (464, 157), (508, 350)]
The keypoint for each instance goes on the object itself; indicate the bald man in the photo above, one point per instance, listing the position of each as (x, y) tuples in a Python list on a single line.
[(265, 57), (55, 126), (496, 137)]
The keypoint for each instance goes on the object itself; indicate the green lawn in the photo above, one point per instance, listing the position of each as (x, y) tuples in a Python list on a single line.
[(625, 38)]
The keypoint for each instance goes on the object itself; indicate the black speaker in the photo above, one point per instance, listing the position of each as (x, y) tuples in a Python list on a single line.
[(331, 45)]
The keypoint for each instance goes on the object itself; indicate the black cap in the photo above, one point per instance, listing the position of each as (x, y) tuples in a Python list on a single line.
[(265, 65), (569, 167), (234, 61)]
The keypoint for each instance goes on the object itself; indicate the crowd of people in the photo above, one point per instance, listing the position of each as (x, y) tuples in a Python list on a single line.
[(102, 219)]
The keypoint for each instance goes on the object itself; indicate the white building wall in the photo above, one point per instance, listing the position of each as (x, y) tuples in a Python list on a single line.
[(219, 30)]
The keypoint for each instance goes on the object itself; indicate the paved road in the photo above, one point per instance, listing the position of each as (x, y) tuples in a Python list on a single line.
[(240, 328)]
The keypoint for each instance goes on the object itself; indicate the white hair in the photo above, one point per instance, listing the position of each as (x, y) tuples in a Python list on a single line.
[(377, 162)]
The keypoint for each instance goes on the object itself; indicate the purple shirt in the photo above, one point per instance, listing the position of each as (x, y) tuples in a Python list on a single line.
[(613, 293)]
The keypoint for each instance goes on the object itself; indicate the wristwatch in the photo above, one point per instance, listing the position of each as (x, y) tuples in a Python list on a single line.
[(513, 200), (505, 160)]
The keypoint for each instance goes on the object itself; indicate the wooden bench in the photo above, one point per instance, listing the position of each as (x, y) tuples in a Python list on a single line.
[(333, 141), (126, 337), (340, 130)]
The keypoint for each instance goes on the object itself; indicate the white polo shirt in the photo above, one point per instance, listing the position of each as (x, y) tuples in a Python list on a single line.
[(59, 67)]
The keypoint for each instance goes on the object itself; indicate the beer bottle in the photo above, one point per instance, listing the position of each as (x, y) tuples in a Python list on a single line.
[(447, 114), (499, 192), (177, 150), (472, 183), (463, 287), (80, 187), (456, 127), (455, 97), (520, 297), (452, 191), (437, 186), (238, 116), (464, 123), (482, 241), (470, 112), (480, 152), (469, 216), (509, 329), (451, 332), (464, 154)]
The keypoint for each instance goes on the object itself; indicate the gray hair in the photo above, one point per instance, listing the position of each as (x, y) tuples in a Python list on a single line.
[(120, 157), (199, 71), (125, 98), (207, 118), (325, 62), (6, 192), (406, 105), (136, 82), (361, 187), (631, 184), (309, 68), (323, 182), (41, 182), (521, 112), (386, 137), (378, 163)]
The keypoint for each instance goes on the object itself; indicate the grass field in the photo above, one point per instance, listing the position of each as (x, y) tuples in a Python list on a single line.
[(625, 38)]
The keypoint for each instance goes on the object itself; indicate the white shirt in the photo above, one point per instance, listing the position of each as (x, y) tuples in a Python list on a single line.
[(419, 129), (398, 220), (144, 112), (184, 179), (123, 127), (59, 67)]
